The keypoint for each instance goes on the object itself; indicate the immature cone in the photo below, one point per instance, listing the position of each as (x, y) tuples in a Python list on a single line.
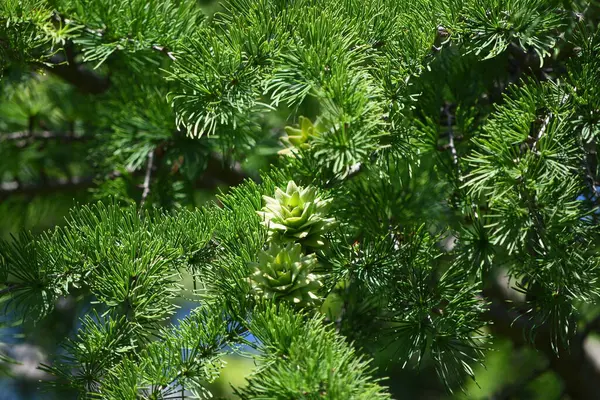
[(297, 215), (297, 138), (284, 273)]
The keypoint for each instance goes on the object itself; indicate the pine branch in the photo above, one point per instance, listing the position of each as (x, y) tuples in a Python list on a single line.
[(76, 74), (545, 123), (147, 179), (164, 50), (13, 188), (216, 173), (40, 135), (11, 287), (589, 158), (52, 186), (541, 132), (26, 138), (451, 136), (218, 170)]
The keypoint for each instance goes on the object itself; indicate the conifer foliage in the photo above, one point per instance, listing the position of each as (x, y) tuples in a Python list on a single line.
[(403, 183)]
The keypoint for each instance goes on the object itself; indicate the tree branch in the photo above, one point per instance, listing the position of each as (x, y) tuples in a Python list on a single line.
[(25, 138), (217, 172), (77, 75), (10, 287), (590, 162), (147, 179), (451, 136), (35, 189), (40, 135), (51, 186), (164, 50), (541, 132), (545, 123)]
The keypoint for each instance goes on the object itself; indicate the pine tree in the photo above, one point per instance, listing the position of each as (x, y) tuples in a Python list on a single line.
[(400, 184)]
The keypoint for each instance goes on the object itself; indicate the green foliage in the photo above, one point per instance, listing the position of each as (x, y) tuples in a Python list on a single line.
[(306, 360), (582, 72), (129, 264), (524, 165), (418, 307), (421, 154), (217, 77), (134, 27), (25, 28), (492, 26)]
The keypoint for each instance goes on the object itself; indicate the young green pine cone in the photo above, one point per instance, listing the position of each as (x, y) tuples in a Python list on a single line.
[(284, 273), (297, 215), (297, 138)]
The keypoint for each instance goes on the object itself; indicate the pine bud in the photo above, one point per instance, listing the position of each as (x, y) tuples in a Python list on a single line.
[(297, 215), (284, 273), (297, 138)]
